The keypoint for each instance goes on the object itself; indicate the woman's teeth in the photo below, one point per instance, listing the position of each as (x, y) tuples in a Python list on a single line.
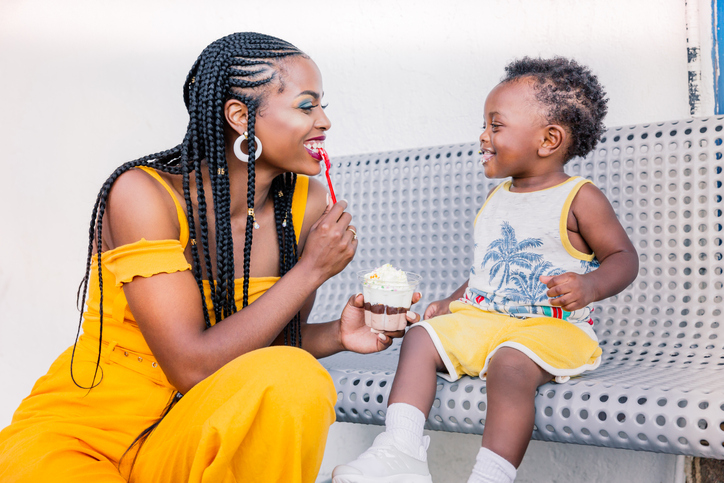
[(314, 146)]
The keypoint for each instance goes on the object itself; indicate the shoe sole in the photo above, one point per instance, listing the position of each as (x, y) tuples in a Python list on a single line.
[(384, 479)]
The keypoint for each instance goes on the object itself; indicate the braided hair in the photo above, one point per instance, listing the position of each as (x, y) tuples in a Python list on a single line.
[(237, 66), (571, 96)]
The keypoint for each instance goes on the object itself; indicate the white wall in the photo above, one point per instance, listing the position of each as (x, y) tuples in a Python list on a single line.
[(86, 85)]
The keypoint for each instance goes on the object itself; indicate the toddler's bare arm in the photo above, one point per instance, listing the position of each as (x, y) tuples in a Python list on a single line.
[(442, 307), (598, 226)]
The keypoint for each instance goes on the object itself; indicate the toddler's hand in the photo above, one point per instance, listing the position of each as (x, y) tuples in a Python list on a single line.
[(437, 308), (569, 291)]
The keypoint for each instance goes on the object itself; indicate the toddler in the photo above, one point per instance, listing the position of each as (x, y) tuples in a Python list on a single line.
[(547, 246)]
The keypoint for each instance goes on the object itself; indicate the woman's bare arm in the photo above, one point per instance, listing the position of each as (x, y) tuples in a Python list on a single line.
[(167, 307)]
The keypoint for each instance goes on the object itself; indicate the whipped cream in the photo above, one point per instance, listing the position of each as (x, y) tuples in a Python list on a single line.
[(386, 277), (389, 286)]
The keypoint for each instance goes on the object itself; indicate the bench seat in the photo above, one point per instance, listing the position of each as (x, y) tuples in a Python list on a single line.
[(661, 384)]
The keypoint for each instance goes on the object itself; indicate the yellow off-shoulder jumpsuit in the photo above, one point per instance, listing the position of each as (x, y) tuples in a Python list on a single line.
[(263, 417)]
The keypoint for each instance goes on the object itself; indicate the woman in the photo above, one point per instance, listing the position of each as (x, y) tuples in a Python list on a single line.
[(155, 389)]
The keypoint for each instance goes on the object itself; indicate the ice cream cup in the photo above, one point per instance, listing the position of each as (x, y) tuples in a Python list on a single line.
[(387, 302)]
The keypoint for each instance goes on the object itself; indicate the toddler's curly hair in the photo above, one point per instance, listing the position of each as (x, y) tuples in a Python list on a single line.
[(571, 96)]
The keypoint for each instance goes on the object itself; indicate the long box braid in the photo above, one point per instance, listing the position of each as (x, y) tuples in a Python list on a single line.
[(236, 66)]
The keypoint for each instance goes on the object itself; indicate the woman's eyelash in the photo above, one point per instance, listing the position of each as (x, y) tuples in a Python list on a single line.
[(309, 107)]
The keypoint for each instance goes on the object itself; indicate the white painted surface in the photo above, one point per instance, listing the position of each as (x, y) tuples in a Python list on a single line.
[(87, 85)]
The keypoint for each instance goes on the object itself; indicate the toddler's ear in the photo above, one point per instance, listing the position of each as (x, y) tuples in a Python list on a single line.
[(554, 140)]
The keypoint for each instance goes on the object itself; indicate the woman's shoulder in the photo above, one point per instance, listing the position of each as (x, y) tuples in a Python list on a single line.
[(139, 206)]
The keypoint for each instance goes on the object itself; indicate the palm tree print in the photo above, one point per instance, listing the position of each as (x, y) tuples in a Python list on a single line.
[(507, 253), (530, 288), (589, 266)]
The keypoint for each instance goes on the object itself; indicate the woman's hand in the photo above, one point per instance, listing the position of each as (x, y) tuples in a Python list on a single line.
[(331, 243), (357, 337), (437, 308)]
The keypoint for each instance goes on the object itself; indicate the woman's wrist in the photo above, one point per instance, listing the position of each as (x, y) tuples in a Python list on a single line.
[(311, 272), (337, 324)]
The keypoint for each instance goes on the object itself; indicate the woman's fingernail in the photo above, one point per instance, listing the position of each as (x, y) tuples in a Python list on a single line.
[(382, 337), (411, 315), (329, 199)]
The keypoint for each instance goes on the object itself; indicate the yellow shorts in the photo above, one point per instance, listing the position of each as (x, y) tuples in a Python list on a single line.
[(467, 339)]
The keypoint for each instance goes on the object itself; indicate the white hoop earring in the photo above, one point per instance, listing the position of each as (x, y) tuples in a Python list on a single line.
[(244, 158)]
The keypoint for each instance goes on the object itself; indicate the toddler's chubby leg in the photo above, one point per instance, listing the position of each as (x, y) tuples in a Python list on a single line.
[(511, 381), (400, 453), (416, 376)]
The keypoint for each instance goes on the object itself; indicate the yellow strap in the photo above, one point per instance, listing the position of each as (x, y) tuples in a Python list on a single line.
[(563, 227), (299, 203), (184, 236), (495, 190)]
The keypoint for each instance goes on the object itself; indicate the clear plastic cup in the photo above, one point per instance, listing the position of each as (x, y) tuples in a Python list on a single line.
[(386, 304)]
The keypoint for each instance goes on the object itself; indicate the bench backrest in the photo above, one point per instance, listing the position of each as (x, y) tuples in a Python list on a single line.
[(415, 209)]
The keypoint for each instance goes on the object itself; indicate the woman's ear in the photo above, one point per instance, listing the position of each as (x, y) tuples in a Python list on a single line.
[(237, 115), (555, 138)]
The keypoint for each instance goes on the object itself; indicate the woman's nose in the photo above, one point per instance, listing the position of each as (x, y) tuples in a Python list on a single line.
[(323, 121)]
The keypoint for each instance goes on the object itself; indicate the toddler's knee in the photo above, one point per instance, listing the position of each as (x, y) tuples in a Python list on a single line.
[(418, 337), (511, 368)]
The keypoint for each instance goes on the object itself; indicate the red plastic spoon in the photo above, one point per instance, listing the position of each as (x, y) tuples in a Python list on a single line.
[(328, 165)]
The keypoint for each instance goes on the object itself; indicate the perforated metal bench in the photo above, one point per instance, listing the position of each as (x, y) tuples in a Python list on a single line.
[(661, 385)]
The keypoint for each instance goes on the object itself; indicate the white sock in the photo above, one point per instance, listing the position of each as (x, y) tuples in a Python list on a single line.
[(492, 468), (405, 423)]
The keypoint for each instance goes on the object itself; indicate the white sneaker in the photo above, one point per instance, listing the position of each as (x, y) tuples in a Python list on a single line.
[(383, 462)]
